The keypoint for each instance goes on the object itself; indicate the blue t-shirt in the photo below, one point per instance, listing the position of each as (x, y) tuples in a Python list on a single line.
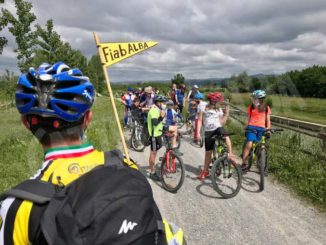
[(170, 115), (180, 96)]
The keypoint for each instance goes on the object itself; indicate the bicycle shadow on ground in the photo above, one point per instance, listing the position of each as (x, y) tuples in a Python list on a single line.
[(204, 184), (249, 184), (191, 169), (188, 139)]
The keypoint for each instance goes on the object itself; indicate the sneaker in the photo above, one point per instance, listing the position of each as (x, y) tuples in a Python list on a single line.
[(203, 175), (177, 152), (154, 177)]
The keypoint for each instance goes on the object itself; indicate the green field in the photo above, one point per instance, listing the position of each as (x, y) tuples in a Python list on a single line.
[(306, 109), (21, 154)]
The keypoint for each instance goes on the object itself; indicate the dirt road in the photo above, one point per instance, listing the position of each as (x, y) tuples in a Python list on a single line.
[(273, 216)]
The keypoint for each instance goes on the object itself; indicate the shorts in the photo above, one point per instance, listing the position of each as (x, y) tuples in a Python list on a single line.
[(209, 142), (156, 143), (254, 136)]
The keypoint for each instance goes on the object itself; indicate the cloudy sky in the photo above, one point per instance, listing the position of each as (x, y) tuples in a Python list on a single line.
[(200, 39)]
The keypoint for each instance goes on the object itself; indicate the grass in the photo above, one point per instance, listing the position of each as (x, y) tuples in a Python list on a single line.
[(21, 154), (306, 109)]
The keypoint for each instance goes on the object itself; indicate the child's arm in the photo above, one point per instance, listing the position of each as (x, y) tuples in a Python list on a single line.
[(225, 116)]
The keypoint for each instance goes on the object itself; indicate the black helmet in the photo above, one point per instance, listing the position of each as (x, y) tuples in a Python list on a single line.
[(160, 98)]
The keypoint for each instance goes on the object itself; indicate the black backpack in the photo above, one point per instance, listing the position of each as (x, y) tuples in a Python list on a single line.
[(111, 204)]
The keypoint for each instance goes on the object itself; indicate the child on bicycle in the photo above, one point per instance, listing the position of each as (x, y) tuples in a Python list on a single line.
[(212, 118), (258, 121)]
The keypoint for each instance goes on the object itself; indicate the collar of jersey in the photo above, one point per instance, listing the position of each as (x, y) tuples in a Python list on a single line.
[(68, 151)]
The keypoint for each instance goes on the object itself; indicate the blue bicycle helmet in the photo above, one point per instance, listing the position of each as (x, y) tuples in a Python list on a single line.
[(55, 91), (258, 94), (199, 96)]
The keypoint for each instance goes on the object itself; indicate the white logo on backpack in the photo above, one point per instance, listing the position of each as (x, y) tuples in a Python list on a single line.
[(126, 226)]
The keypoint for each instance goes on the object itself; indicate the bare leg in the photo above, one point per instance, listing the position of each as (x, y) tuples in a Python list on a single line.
[(152, 157), (174, 130), (208, 159), (229, 145), (245, 152)]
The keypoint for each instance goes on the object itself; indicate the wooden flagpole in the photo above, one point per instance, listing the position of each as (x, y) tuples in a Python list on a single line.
[(106, 75)]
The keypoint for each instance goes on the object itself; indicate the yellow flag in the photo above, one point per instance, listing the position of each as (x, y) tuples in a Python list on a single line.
[(112, 53)]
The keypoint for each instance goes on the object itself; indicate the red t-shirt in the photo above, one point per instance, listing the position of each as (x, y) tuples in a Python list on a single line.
[(257, 118)]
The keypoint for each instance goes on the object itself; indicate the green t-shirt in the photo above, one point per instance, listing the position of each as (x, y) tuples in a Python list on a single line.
[(154, 112)]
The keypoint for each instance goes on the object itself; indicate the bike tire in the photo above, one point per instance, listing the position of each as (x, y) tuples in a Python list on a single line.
[(261, 163), (166, 176), (137, 145), (218, 175)]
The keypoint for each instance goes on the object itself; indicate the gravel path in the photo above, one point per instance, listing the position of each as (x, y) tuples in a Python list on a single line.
[(273, 216)]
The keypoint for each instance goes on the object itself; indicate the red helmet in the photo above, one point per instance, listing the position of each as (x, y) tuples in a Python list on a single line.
[(215, 97)]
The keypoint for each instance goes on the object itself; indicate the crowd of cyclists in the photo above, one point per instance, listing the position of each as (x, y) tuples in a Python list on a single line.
[(160, 113)]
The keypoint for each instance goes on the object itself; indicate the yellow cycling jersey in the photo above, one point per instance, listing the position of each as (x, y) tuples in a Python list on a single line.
[(19, 219)]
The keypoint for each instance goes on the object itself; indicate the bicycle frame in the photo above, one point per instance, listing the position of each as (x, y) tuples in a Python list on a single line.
[(169, 167)]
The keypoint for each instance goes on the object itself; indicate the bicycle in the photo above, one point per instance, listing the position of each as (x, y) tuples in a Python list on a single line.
[(259, 154), (226, 174), (136, 140), (172, 167)]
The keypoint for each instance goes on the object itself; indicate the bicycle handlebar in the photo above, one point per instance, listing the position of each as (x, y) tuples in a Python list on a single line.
[(271, 130)]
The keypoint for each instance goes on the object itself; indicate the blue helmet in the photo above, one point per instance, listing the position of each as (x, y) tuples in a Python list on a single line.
[(54, 91), (258, 94), (199, 96)]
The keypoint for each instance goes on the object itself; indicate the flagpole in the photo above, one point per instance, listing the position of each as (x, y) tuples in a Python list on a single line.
[(106, 75)]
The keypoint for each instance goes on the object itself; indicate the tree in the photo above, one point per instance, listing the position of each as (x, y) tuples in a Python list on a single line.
[(95, 73), (178, 79), (20, 28), (3, 40), (48, 42)]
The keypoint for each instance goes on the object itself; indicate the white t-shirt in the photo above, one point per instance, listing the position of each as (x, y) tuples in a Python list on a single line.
[(201, 106), (212, 119)]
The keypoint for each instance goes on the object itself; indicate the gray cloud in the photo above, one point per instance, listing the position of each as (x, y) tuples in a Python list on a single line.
[(197, 38)]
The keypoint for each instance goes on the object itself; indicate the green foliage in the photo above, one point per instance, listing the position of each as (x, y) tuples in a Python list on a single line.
[(178, 79), (7, 86), (51, 49), (303, 172), (3, 40), (310, 82), (95, 72), (20, 28)]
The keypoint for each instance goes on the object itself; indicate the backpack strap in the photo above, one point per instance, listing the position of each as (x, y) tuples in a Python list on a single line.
[(32, 190), (114, 158)]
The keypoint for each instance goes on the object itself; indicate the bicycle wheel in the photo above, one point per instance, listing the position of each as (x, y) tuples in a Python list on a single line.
[(261, 163), (172, 173), (136, 141), (226, 177)]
